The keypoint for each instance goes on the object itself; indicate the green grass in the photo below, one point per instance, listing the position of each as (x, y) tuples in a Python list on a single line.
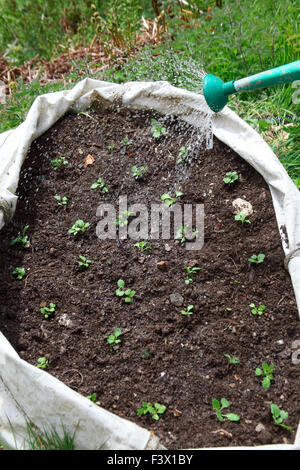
[(242, 38)]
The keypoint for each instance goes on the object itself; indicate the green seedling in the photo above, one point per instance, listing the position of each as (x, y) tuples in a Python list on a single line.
[(101, 185), (188, 311), (157, 130), (189, 274), (242, 218), (61, 201), (22, 238), (232, 360), (219, 407), (137, 172), (78, 227), (42, 363), (267, 371), (127, 294), (279, 416), (114, 337), (93, 398), (126, 141), (170, 200), (154, 410), (48, 311), (183, 155), (230, 177), (257, 310), (59, 162), (123, 219), (257, 259), (19, 273), (142, 246), (83, 263)]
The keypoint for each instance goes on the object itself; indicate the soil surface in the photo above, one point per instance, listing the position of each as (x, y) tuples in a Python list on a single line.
[(163, 357)]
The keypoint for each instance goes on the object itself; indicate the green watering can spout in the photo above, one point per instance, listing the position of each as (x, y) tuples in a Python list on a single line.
[(216, 92)]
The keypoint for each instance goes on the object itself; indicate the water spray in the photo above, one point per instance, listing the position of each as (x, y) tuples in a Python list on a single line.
[(216, 92)]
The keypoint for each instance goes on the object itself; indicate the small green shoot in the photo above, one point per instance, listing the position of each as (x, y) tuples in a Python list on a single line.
[(230, 177), (48, 311), (189, 274), (101, 185), (257, 310), (232, 360), (181, 234), (114, 337), (127, 294), (170, 200), (42, 363), (183, 155), (188, 311), (142, 246), (93, 398), (157, 130), (123, 219), (137, 172), (257, 259), (218, 407), (19, 273), (154, 410), (279, 416), (59, 162), (126, 141), (61, 201), (242, 218), (111, 147), (267, 371), (78, 227), (83, 263), (22, 238)]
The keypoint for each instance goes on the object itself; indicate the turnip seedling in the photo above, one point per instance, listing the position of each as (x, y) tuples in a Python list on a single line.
[(78, 226), (170, 200), (93, 398), (157, 129), (232, 360), (230, 177), (279, 416), (154, 410), (138, 171), (126, 141), (127, 294), (61, 201), (42, 363), (257, 259), (188, 311), (267, 372), (48, 311), (257, 310), (242, 218), (218, 407), (114, 337), (123, 219), (22, 238), (183, 155), (19, 273), (101, 185), (59, 162), (143, 246), (83, 263), (189, 274)]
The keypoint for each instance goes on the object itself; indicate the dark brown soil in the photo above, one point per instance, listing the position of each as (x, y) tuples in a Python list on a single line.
[(164, 357)]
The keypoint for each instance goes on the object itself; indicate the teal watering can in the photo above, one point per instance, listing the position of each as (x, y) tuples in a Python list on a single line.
[(216, 92)]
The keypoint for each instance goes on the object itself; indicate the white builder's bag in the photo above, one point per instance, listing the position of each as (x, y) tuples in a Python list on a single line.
[(30, 394)]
